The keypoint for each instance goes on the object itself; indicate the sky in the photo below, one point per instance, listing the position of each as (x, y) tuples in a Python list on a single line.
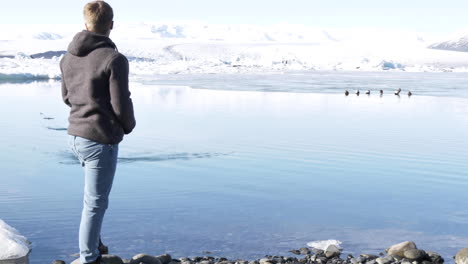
[(428, 16)]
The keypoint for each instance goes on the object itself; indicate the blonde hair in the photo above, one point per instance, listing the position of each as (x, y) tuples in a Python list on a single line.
[(98, 16)]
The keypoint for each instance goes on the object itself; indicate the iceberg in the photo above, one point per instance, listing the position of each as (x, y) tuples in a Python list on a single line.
[(12, 244), (323, 244)]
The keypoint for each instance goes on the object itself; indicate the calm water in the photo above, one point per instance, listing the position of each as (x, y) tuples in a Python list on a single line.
[(248, 173)]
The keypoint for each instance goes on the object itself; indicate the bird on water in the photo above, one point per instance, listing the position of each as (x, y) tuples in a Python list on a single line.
[(357, 92), (398, 92), (346, 92), (368, 92), (410, 93), (381, 92)]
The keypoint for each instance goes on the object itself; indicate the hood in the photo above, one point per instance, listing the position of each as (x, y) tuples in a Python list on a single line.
[(85, 41)]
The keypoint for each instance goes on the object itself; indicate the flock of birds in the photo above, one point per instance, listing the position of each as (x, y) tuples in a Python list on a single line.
[(397, 92)]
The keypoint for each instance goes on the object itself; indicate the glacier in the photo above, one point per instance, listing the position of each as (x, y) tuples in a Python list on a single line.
[(30, 52)]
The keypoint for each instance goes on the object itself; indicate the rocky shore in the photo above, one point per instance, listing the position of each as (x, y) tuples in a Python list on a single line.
[(402, 253)]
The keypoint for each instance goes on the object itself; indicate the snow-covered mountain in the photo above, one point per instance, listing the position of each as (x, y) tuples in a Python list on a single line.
[(33, 51), (459, 44)]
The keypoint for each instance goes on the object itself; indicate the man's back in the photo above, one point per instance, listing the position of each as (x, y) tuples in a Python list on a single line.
[(95, 85)]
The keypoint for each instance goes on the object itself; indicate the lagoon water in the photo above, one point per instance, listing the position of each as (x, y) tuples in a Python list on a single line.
[(248, 165)]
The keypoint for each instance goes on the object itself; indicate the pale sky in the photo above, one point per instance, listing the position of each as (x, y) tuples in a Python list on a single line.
[(429, 16)]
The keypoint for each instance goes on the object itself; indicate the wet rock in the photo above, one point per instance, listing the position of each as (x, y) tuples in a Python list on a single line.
[(414, 254), (206, 262), (332, 251), (186, 262), (254, 262), (372, 261), (58, 262), (241, 262), (266, 261), (295, 251), (434, 257), (369, 256), (304, 251), (399, 249), (111, 259), (384, 260), (165, 259), (462, 256), (126, 261), (147, 259)]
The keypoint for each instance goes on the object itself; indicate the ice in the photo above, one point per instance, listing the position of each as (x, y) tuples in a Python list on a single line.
[(197, 47), (12, 244), (323, 244)]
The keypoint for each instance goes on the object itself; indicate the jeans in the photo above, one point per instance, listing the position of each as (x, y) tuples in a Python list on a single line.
[(99, 162)]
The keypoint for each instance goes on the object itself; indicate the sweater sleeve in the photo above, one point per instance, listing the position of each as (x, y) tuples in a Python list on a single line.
[(64, 88), (120, 94)]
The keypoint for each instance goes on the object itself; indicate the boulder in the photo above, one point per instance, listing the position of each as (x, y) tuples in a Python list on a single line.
[(462, 256), (399, 249)]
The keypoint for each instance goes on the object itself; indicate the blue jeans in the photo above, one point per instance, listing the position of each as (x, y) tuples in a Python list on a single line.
[(99, 162)]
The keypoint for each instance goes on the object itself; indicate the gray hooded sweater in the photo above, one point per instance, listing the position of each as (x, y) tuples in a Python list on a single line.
[(95, 86)]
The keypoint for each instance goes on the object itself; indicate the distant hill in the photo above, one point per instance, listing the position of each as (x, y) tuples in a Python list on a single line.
[(460, 44)]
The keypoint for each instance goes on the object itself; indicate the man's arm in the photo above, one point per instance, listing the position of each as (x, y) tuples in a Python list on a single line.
[(64, 89), (120, 94)]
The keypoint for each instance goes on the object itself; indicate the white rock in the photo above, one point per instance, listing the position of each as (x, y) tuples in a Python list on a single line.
[(462, 256)]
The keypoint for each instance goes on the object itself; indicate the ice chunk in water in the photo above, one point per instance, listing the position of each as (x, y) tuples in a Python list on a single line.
[(323, 244), (12, 244)]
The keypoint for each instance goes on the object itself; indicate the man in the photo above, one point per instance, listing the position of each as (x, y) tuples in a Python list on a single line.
[(95, 86)]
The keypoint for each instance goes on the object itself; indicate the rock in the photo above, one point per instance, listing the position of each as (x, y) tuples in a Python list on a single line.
[(368, 256), (206, 262), (265, 261), (76, 261), (295, 251), (332, 251), (126, 261), (399, 249), (254, 262), (58, 262), (434, 257), (462, 256), (147, 259), (242, 262), (371, 261), (186, 262), (165, 259), (415, 254), (384, 260), (111, 259), (304, 251)]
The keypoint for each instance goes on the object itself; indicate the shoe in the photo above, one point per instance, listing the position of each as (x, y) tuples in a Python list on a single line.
[(103, 250)]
